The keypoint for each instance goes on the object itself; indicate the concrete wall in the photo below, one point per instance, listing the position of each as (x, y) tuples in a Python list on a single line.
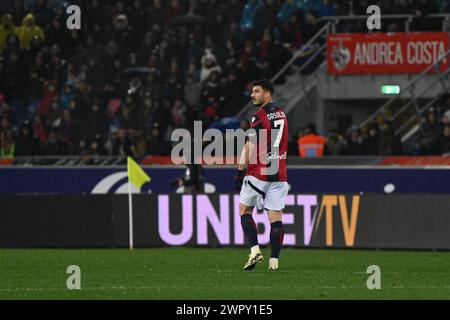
[(354, 97), (369, 87)]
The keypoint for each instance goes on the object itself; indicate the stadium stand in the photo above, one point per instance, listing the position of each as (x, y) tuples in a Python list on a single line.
[(138, 69)]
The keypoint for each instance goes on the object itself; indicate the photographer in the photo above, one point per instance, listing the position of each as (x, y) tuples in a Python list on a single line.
[(192, 181)]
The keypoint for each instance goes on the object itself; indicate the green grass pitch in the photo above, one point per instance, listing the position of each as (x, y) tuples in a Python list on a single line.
[(196, 273)]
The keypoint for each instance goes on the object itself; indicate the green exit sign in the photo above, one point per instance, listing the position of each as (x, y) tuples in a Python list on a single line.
[(390, 89)]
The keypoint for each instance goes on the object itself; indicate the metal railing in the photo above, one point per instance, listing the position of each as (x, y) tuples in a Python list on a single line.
[(409, 113), (408, 19), (331, 27), (64, 161), (308, 49)]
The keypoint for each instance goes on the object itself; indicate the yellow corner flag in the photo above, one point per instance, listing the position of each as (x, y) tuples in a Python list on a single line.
[(136, 175)]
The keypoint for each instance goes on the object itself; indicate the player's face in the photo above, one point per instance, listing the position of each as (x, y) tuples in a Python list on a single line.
[(258, 95)]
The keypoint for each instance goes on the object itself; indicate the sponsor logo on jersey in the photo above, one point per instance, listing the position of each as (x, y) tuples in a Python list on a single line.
[(276, 155)]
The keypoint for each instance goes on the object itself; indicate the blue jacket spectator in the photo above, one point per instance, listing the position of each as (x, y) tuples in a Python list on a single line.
[(249, 12), (287, 8), (310, 5), (327, 8)]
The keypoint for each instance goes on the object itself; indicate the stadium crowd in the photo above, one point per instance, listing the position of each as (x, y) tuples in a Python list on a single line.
[(139, 69)]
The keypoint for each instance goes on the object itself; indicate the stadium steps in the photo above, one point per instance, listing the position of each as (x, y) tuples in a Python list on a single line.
[(406, 110)]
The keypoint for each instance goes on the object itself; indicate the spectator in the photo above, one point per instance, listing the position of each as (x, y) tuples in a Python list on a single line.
[(209, 65), (49, 94), (26, 143), (371, 143), (67, 95), (292, 36), (7, 28), (55, 145), (444, 6), (95, 124), (87, 158), (327, 8), (15, 71), (353, 146), (444, 141), (123, 34), (40, 130), (312, 25), (54, 115), (233, 9), (128, 112), (34, 88), (5, 124), (445, 120), (289, 7), (28, 31), (96, 146), (157, 13), (195, 72), (156, 144), (422, 9), (192, 91), (122, 144), (5, 109), (429, 133), (265, 54), (211, 86), (390, 143), (18, 12), (266, 15), (335, 143), (139, 145), (70, 132), (249, 13), (3, 82), (175, 9), (232, 97), (44, 15), (7, 144), (179, 110), (137, 17), (311, 144)]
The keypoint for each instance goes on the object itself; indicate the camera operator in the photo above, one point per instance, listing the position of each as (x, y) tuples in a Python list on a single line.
[(193, 180)]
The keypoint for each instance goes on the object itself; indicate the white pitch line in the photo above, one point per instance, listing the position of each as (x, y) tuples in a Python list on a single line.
[(189, 288)]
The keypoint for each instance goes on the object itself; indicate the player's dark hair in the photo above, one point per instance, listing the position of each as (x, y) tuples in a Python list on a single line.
[(265, 84)]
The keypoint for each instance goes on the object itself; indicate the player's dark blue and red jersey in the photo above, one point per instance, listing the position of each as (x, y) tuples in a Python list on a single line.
[(271, 126)]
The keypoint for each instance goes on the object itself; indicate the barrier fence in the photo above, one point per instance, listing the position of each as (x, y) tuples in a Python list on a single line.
[(400, 221), (317, 180)]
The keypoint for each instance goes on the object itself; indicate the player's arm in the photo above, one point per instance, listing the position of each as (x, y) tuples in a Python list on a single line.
[(243, 161), (248, 152)]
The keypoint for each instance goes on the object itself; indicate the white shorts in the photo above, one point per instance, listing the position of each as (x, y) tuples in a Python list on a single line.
[(272, 194)]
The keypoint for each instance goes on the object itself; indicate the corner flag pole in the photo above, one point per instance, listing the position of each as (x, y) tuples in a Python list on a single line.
[(130, 213), (137, 177)]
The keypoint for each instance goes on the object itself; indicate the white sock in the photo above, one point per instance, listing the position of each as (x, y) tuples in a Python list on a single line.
[(275, 260), (255, 249)]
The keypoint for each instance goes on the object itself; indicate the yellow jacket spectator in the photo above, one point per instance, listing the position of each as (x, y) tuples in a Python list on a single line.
[(7, 27), (29, 30)]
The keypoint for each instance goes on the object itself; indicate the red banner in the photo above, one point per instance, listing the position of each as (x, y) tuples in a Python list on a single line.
[(385, 53)]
